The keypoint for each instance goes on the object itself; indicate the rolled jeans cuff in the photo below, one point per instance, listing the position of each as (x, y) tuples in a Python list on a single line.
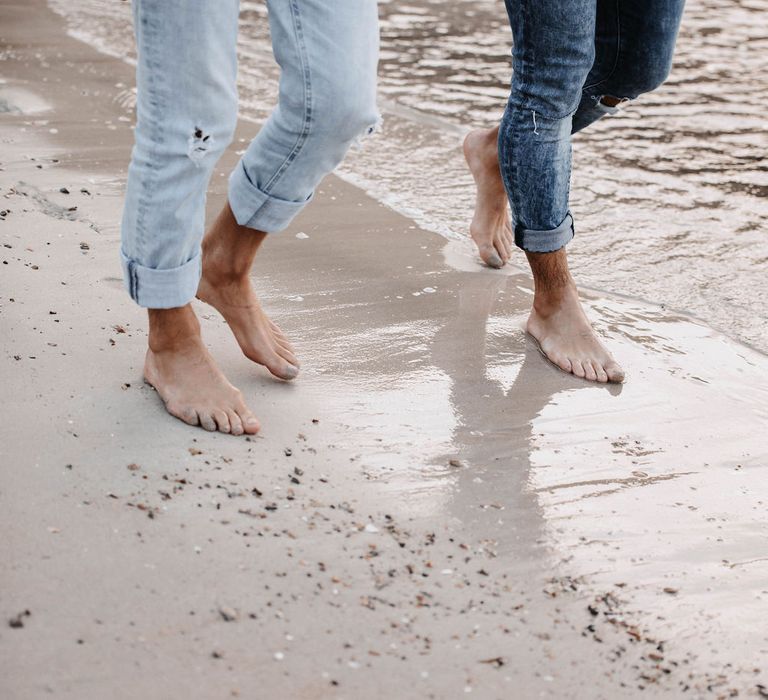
[(256, 209), (161, 289), (534, 241)]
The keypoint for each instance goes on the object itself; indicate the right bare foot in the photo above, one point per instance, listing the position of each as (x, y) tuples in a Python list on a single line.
[(491, 228), (228, 253), (567, 339), (193, 388), (560, 326)]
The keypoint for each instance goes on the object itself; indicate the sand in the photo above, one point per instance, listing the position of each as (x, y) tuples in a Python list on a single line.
[(431, 511)]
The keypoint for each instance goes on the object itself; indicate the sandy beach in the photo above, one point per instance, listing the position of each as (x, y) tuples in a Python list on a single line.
[(430, 511)]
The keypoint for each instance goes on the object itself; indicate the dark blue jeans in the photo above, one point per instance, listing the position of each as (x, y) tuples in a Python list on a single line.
[(567, 56)]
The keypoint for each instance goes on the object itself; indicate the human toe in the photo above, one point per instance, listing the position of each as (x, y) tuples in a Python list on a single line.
[(490, 256), (207, 421), (615, 372), (561, 361), (578, 369), (222, 420), (235, 424), (602, 375), (184, 413), (251, 424), (281, 368)]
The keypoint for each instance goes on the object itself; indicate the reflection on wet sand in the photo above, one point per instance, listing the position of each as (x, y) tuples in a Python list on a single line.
[(651, 491), (492, 439)]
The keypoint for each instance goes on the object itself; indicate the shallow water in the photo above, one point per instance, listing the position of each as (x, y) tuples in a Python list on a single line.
[(669, 196)]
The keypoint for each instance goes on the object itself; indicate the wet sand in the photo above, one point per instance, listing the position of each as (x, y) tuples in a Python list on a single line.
[(431, 510)]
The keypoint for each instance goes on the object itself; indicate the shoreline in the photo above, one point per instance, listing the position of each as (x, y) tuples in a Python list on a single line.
[(727, 302), (464, 513)]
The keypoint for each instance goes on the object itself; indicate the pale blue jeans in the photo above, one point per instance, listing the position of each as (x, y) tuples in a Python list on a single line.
[(186, 77)]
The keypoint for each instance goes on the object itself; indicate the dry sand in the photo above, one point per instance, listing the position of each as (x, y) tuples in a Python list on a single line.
[(431, 511)]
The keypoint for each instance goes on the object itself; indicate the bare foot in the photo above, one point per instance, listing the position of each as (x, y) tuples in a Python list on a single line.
[(180, 368), (228, 253), (490, 228), (561, 327)]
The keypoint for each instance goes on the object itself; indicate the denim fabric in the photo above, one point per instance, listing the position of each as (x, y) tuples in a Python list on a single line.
[(187, 112), (567, 55)]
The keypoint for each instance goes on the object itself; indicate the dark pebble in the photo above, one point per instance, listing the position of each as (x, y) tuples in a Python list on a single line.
[(18, 621)]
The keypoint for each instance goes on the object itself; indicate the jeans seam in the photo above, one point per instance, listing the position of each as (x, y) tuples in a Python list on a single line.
[(156, 132), (523, 77), (132, 280), (306, 73)]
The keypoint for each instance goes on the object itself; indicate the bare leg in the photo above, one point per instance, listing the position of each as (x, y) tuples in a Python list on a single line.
[(490, 228), (180, 368), (561, 327), (228, 254)]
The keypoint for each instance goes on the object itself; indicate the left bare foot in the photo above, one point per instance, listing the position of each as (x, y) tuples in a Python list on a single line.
[(491, 229), (228, 253)]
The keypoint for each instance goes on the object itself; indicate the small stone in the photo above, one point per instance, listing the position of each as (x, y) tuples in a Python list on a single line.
[(496, 661), (228, 614), (17, 622)]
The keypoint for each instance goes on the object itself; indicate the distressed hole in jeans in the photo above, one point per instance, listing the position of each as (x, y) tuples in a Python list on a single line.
[(611, 101), (199, 144), (370, 130)]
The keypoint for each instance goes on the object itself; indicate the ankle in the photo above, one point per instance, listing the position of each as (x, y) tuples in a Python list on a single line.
[(491, 139), (223, 266), (172, 329), (551, 298)]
